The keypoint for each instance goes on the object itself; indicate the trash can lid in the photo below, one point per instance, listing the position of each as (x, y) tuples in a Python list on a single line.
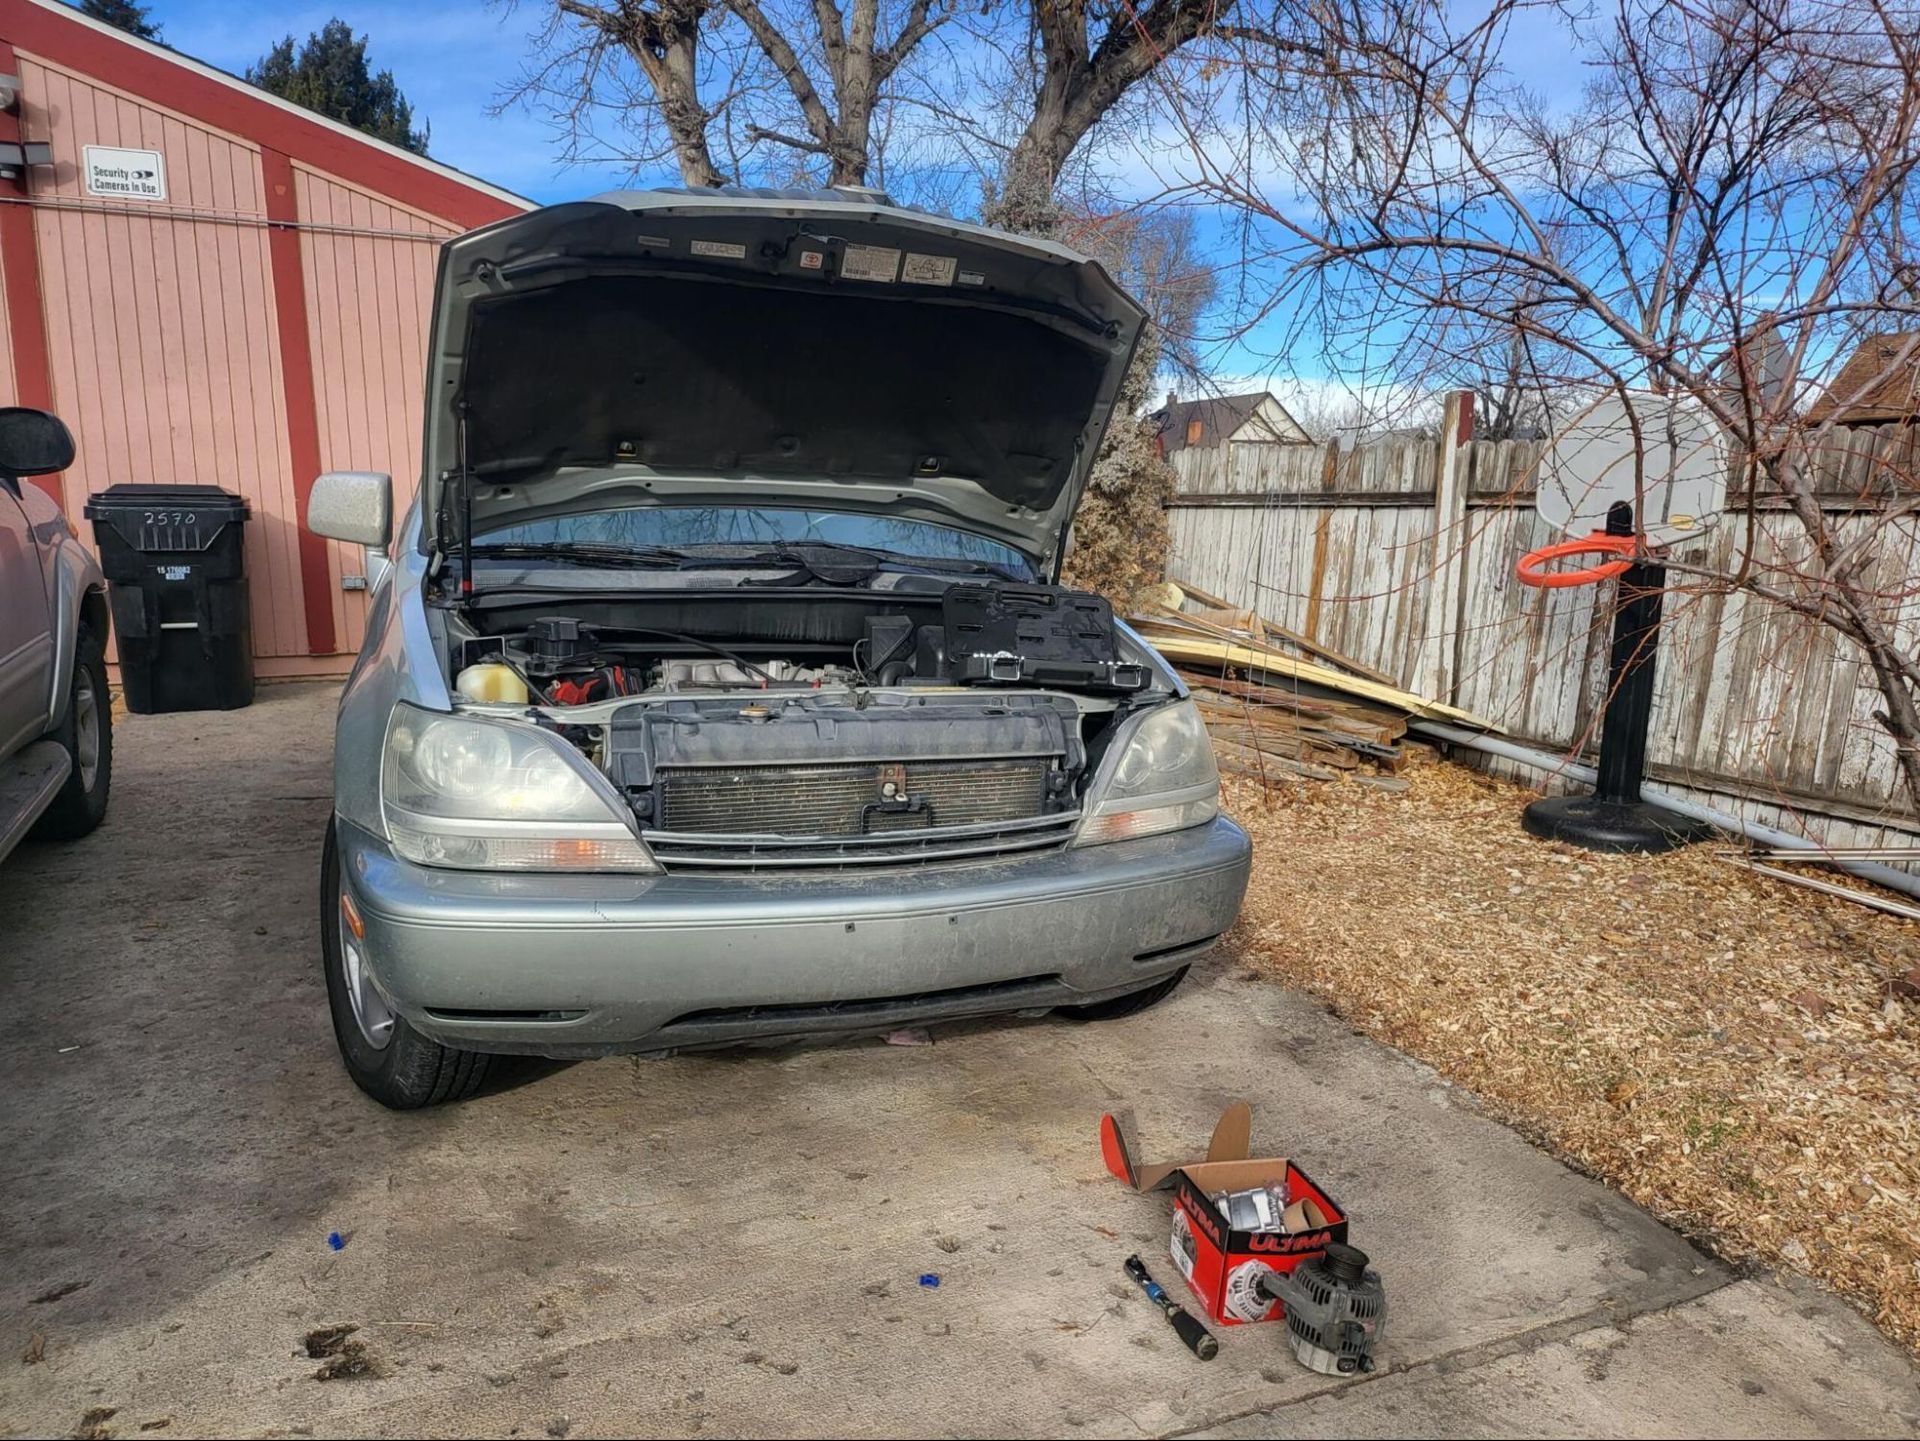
[(210, 500)]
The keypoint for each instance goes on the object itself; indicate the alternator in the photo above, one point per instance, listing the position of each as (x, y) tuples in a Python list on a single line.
[(1336, 1309)]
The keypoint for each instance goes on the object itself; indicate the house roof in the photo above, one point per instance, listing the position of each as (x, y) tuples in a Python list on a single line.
[(1219, 416), (1879, 382), (49, 30)]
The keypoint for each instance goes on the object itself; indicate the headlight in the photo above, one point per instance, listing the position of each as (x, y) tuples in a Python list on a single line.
[(486, 796), (1159, 776)]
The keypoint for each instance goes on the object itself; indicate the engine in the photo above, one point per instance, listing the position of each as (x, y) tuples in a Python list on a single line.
[(857, 730), (979, 635)]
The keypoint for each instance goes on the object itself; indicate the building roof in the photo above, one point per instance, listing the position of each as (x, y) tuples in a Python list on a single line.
[(50, 30), (1879, 382), (1219, 416)]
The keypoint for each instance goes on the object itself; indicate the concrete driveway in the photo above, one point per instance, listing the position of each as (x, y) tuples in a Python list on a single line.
[(731, 1245)]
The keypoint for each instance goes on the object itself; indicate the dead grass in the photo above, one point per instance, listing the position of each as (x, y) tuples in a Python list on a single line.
[(1719, 1046)]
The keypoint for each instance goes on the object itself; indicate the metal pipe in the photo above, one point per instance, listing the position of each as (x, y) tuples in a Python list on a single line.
[(1903, 881)]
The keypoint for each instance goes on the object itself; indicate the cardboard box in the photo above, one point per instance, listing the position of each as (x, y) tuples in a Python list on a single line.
[(1222, 1265)]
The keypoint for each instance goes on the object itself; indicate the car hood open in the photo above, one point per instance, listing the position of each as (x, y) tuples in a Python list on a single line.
[(819, 350)]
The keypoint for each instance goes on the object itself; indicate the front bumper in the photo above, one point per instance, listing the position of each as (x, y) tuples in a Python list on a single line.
[(589, 965)]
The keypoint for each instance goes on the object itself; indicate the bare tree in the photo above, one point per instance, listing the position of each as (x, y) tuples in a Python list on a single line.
[(1079, 61), (858, 62), (580, 69), (1733, 169), (789, 89)]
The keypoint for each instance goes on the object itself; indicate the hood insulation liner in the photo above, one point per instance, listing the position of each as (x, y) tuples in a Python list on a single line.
[(684, 375)]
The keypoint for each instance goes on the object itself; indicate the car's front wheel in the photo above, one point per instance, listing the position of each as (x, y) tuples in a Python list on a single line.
[(386, 1057)]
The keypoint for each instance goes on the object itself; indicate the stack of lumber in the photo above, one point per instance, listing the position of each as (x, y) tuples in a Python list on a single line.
[(1279, 704)]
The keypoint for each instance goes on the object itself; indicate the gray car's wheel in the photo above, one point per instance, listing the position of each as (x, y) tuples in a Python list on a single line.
[(1125, 1005), (386, 1057), (87, 735)]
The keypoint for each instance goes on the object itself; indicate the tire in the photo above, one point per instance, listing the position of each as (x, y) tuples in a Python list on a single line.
[(86, 733), (1130, 1004), (408, 1071)]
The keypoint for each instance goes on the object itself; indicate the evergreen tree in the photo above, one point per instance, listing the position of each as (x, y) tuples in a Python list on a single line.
[(330, 76), (122, 15)]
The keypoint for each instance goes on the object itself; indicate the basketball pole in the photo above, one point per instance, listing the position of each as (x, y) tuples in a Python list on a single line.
[(1614, 818)]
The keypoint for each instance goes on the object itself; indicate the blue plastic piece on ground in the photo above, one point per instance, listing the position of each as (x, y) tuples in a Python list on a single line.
[(931, 1280), (337, 1242)]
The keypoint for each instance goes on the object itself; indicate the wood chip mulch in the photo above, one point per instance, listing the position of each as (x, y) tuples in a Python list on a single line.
[(1739, 1056)]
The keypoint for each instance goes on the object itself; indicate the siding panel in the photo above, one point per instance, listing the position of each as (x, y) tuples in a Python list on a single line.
[(165, 362), (370, 267)]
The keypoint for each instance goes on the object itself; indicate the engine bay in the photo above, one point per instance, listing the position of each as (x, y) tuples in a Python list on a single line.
[(968, 635), (855, 718)]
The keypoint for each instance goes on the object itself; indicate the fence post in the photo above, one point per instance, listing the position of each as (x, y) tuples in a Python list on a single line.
[(1434, 675)]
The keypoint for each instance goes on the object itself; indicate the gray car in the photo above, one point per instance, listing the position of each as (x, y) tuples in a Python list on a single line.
[(56, 724), (717, 687)]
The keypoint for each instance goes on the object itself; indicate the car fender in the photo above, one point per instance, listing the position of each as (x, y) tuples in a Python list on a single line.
[(78, 592), (398, 663)]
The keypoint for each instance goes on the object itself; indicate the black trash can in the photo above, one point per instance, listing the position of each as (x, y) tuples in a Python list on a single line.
[(177, 576)]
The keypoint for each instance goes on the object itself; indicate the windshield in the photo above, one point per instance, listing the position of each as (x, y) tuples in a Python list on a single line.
[(691, 527)]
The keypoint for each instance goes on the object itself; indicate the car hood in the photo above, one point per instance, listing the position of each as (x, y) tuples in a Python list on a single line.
[(829, 351)]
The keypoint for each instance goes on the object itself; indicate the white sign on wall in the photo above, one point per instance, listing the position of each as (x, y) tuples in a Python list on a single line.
[(124, 174)]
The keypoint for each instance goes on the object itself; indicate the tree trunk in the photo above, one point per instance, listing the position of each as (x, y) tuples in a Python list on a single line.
[(668, 54), (663, 39)]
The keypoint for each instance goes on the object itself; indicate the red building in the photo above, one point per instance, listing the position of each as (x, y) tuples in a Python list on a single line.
[(213, 286)]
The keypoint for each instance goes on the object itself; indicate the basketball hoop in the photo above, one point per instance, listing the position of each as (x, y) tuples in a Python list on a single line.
[(1645, 475), (1599, 543)]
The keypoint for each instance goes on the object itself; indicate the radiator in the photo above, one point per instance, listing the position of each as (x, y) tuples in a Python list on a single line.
[(850, 800)]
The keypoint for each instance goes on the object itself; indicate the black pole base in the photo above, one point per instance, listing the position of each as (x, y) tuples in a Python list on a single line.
[(1622, 827)]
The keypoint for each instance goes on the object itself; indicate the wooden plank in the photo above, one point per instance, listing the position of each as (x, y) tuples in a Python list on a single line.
[(1271, 662), (1242, 761), (1317, 580), (1371, 722), (1162, 618)]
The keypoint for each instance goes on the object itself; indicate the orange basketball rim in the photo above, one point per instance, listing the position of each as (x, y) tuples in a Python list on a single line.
[(1619, 547)]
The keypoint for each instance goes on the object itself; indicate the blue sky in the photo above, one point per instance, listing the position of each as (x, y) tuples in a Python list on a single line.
[(451, 57)]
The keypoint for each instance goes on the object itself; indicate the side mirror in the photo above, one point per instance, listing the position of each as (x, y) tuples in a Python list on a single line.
[(33, 442), (352, 505)]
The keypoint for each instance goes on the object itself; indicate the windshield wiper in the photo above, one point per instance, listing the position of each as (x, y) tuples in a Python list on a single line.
[(583, 553), (816, 558)]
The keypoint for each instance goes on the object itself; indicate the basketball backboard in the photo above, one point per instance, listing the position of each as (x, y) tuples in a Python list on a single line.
[(1662, 454)]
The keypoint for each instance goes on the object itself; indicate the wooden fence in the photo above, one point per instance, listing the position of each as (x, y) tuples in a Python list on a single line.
[(1401, 553)]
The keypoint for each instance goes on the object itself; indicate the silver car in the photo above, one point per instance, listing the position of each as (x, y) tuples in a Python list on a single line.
[(716, 688), (56, 725)]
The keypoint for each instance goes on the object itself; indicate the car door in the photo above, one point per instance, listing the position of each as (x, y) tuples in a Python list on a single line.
[(26, 628)]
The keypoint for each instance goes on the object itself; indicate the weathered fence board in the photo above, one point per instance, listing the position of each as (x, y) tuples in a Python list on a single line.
[(1759, 708)]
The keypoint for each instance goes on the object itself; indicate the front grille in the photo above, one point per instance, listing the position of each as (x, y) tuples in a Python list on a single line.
[(684, 851), (850, 800)]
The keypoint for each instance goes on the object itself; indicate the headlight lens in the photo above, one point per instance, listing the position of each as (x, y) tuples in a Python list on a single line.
[(1161, 777), (483, 795)]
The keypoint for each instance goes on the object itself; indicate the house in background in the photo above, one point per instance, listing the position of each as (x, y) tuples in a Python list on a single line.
[(1225, 419), (1879, 384)]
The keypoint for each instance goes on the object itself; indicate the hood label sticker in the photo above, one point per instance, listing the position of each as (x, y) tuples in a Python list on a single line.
[(812, 259), (653, 242), (973, 277), (928, 269), (719, 249), (870, 262)]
